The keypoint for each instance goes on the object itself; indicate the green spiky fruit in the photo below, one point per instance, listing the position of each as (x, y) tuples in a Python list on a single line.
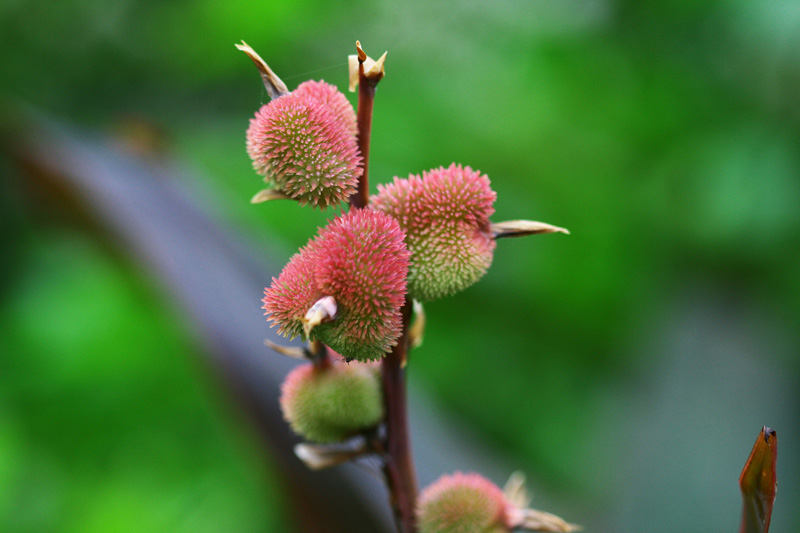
[(445, 215), (329, 404)]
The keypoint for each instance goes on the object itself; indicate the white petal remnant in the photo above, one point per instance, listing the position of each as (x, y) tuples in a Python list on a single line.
[(323, 310)]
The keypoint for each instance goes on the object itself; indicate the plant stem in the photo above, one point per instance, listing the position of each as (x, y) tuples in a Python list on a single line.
[(398, 465), (398, 462), (366, 97)]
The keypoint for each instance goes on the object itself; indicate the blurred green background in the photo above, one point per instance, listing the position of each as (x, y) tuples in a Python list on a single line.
[(627, 368)]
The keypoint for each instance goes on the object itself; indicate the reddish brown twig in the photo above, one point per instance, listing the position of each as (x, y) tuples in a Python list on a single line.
[(398, 462), (398, 465), (369, 74)]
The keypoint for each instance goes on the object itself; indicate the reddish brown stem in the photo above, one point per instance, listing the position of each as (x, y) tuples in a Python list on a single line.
[(399, 464), (366, 97), (321, 355)]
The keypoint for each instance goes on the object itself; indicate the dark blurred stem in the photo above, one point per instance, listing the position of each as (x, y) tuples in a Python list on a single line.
[(366, 97), (321, 356), (399, 465)]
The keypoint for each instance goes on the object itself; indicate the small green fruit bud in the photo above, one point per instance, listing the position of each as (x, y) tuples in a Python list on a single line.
[(462, 503), (329, 404)]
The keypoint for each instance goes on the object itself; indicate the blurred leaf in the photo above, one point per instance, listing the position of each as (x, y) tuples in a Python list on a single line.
[(759, 484)]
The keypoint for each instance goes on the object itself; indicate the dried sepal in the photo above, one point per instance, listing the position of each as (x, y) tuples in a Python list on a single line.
[(535, 520), (522, 517), (292, 352), (515, 492), (274, 85), (321, 456), (522, 228), (373, 70), (267, 195)]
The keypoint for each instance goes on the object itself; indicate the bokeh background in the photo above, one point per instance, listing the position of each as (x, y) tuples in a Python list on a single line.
[(627, 368)]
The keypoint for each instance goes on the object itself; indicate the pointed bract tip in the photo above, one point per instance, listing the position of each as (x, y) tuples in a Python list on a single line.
[(274, 85), (515, 492), (758, 483), (521, 228), (267, 195), (376, 69), (293, 352), (321, 456), (373, 70)]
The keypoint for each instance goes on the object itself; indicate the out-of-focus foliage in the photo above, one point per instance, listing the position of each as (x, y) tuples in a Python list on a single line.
[(665, 135), (107, 423)]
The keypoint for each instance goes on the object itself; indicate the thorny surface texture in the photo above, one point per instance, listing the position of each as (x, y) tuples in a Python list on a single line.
[(360, 260), (445, 214), (304, 144)]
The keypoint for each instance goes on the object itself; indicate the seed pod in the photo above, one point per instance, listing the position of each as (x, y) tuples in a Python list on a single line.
[(303, 144), (329, 404), (462, 502), (331, 98), (445, 215), (360, 262)]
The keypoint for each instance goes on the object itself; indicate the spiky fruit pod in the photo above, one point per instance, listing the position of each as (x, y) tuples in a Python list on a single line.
[(305, 148), (445, 214), (329, 404), (361, 261), (465, 503), (331, 98)]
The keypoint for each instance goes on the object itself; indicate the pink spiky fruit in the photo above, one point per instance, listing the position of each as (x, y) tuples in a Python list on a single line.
[(329, 404), (463, 503), (332, 99), (445, 215), (361, 261), (304, 146)]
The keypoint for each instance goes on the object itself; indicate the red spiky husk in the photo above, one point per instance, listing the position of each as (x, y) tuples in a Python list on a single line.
[(360, 259), (305, 149), (331, 98)]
